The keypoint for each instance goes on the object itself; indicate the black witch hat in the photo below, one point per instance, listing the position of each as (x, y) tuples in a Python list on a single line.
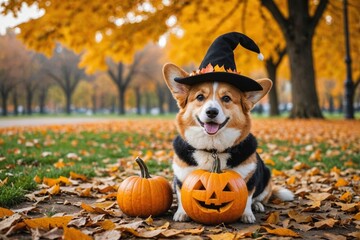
[(219, 63)]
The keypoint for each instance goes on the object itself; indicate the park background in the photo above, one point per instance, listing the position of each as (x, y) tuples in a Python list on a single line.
[(107, 58)]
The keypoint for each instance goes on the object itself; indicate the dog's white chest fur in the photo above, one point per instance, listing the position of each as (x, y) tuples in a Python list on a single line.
[(224, 139)]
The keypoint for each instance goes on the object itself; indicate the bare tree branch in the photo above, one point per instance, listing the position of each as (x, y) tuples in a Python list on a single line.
[(278, 16), (317, 16)]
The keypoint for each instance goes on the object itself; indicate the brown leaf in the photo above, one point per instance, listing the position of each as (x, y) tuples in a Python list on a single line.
[(320, 196), (4, 212), (74, 234), (273, 218), (48, 222), (108, 235), (172, 232), (299, 218), (348, 207), (283, 232), (222, 236), (327, 223), (107, 224), (331, 236), (9, 221)]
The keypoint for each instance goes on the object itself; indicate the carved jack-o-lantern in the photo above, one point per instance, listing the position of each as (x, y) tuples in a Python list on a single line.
[(214, 197)]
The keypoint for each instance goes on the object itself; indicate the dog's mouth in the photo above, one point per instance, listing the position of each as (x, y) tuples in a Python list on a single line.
[(212, 128)]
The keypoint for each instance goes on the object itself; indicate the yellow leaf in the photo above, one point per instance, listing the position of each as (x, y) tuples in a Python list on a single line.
[(314, 171), (219, 69), (74, 234), (222, 236), (4, 212), (37, 179), (59, 164), (335, 170), (48, 222), (54, 190), (283, 232), (87, 208), (341, 183), (299, 166), (107, 225), (3, 182), (291, 180), (278, 173), (273, 218), (50, 181), (269, 161), (346, 197), (357, 216), (74, 175)]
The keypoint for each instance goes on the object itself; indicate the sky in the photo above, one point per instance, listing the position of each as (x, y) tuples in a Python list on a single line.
[(25, 14)]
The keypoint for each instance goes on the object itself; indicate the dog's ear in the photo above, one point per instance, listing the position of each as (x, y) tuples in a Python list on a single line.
[(254, 96), (179, 91)]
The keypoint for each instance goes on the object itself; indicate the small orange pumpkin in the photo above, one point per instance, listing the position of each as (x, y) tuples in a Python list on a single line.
[(214, 197), (144, 195)]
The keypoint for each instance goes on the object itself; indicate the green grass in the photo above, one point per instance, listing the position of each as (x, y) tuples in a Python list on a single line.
[(21, 162)]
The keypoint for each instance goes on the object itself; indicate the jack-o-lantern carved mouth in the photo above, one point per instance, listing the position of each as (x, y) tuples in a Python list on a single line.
[(219, 208)]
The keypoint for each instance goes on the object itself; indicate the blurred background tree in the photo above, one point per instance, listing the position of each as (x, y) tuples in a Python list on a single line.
[(302, 42)]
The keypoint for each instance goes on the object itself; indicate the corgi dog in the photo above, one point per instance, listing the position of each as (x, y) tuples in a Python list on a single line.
[(215, 116)]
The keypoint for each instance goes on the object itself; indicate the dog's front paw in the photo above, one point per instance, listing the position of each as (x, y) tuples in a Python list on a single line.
[(258, 207), (181, 216), (248, 218)]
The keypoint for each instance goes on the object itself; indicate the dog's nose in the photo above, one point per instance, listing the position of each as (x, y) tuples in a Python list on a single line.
[(212, 112)]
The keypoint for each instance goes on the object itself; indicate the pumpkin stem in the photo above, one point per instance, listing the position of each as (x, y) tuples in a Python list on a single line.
[(144, 172), (216, 168)]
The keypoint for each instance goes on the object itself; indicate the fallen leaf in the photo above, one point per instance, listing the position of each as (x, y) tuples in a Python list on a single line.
[(4, 212), (299, 218), (74, 175), (108, 235), (341, 182), (326, 223), (74, 234), (283, 232), (331, 236), (107, 224), (10, 221), (273, 218), (222, 236), (48, 222), (346, 197)]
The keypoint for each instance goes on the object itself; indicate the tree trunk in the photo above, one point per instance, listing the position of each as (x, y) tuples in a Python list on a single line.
[(161, 98), (68, 103), (29, 98), (138, 100), (303, 89), (298, 29), (173, 108), (4, 97), (42, 99), (15, 102), (147, 103), (274, 103), (121, 102), (331, 104)]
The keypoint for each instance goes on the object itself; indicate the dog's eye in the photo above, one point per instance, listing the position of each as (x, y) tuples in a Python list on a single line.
[(226, 99), (200, 97)]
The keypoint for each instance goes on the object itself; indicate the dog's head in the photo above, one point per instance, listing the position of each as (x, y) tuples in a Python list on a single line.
[(213, 115)]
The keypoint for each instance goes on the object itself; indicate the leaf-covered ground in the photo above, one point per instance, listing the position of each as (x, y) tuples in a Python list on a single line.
[(61, 181)]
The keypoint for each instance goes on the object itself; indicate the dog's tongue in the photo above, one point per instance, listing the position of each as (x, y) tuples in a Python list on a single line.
[(211, 128)]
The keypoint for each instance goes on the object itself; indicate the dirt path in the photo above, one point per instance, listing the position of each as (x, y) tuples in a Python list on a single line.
[(13, 122)]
